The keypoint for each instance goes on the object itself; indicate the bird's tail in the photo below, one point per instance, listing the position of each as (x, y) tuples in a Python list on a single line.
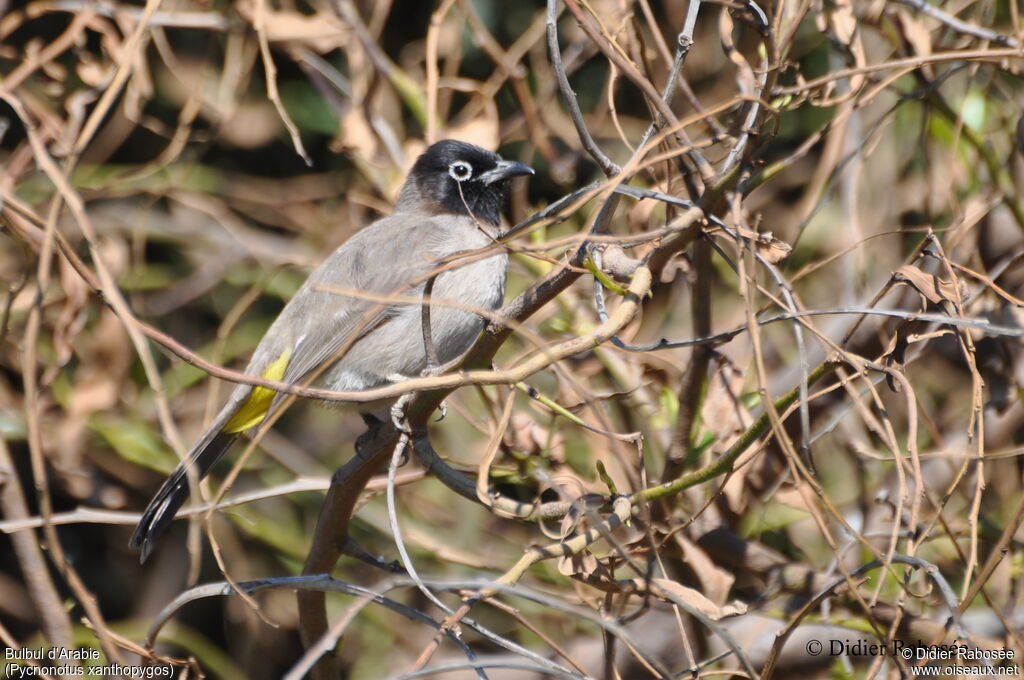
[(175, 490), (246, 408)]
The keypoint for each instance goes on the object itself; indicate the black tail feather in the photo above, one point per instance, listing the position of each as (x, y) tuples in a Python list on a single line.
[(174, 492)]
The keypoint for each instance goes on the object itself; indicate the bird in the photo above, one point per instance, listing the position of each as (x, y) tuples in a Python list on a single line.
[(449, 203)]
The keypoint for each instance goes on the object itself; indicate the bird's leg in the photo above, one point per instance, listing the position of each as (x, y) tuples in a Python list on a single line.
[(398, 412), (430, 371), (400, 423)]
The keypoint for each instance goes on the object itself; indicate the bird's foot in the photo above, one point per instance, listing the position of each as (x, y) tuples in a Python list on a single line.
[(398, 413), (430, 371)]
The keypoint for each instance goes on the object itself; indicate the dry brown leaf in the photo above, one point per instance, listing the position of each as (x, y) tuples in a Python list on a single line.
[(693, 598), (676, 264), (723, 413), (792, 497), (71, 320), (575, 520), (836, 16), (895, 358), (933, 288), (481, 129), (715, 582), (252, 125), (357, 135), (93, 72), (914, 32), (321, 32), (583, 563), (640, 215), (746, 559), (736, 489), (843, 20), (770, 248), (527, 435), (97, 383)]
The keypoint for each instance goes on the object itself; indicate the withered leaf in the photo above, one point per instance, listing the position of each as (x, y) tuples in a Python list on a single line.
[(895, 358), (933, 288), (714, 580), (915, 32), (321, 32), (583, 563), (676, 592), (773, 250), (481, 129)]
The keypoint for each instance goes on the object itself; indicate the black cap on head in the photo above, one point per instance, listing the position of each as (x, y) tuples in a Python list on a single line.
[(461, 179)]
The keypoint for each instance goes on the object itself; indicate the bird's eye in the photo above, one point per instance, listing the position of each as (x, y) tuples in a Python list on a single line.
[(460, 171)]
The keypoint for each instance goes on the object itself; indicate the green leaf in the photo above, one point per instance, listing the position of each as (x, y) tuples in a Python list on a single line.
[(307, 108), (12, 425), (134, 441), (770, 517), (974, 111), (669, 402), (605, 280)]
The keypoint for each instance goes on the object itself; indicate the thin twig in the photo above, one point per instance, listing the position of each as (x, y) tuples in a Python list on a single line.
[(959, 25), (569, 96)]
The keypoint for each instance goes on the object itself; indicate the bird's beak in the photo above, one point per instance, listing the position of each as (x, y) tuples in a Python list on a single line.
[(504, 170)]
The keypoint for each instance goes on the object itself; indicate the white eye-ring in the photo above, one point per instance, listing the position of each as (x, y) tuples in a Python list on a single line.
[(460, 171)]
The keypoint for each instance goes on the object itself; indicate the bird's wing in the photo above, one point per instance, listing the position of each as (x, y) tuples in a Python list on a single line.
[(389, 258), (310, 330)]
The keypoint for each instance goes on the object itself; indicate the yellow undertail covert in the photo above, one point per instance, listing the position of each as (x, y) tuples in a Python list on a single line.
[(255, 408)]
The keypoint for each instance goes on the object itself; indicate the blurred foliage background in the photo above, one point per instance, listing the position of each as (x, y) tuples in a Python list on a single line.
[(193, 161)]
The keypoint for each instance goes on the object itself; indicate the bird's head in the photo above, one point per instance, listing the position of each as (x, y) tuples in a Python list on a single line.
[(462, 179)]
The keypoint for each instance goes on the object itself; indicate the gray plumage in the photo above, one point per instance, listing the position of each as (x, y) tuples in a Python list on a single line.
[(449, 204)]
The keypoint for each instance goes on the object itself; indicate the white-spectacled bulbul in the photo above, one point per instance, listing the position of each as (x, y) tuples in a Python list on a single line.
[(450, 203)]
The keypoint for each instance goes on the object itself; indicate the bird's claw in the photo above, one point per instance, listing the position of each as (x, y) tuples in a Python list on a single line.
[(398, 413)]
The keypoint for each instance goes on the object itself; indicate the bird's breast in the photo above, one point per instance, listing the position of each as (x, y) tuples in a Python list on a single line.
[(463, 298)]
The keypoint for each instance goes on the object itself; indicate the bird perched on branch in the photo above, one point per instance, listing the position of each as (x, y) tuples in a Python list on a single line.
[(328, 332)]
